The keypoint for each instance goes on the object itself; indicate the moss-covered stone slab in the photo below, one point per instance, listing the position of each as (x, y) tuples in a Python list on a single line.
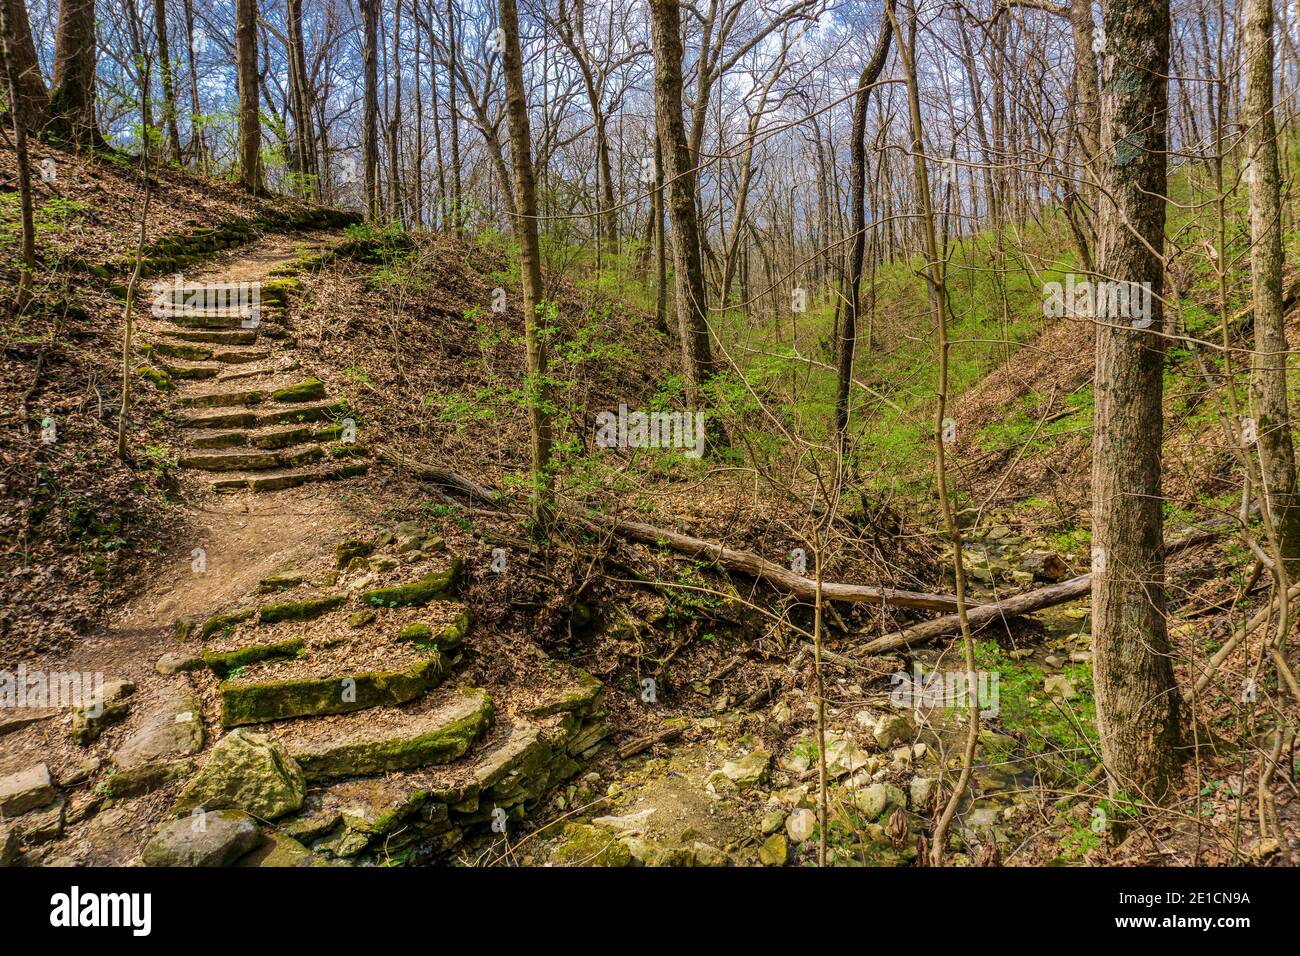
[(248, 396), (439, 736), (230, 460), (300, 610), (280, 581), (309, 390), (581, 697), (347, 550), (282, 438), (226, 621), (434, 586), (249, 772), (446, 639), (222, 663), (255, 703)]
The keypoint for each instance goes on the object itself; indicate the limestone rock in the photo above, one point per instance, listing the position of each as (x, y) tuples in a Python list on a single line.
[(844, 756), (9, 845), (1059, 686), (177, 662), (748, 771), (585, 845), (894, 729), (774, 851), (26, 790), (218, 838), (1044, 565), (921, 790), (800, 825), (628, 823), (247, 772), (105, 707), (174, 728)]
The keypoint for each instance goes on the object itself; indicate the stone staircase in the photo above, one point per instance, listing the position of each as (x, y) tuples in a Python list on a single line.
[(248, 413), (347, 672)]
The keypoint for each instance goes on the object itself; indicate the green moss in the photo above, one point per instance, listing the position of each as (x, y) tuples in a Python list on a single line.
[(580, 698), (436, 746), (221, 623), (435, 586), (156, 377), (223, 662), (251, 703), (585, 845), (416, 633), (280, 581), (347, 550), (300, 610), (310, 390)]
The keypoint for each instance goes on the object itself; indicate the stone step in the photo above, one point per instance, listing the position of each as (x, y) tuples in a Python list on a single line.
[(244, 373), (270, 438), (383, 742), (201, 321), (307, 390), (289, 478), (199, 353), (215, 336), (181, 369), (247, 701), (252, 459), (258, 418)]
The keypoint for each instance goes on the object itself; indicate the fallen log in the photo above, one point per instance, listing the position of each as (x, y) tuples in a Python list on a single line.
[(1020, 604), (745, 562)]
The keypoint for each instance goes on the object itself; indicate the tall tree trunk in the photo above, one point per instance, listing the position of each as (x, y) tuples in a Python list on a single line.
[(72, 97), (250, 124), (198, 151), (168, 80), (27, 93), (9, 33), (1137, 702), (661, 259), (530, 260), (1268, 365), (370, 114), (679, 172), (858, 223), (453, 115), (304, 138)]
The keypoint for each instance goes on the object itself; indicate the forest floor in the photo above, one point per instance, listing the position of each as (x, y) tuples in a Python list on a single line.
[(710, 671)]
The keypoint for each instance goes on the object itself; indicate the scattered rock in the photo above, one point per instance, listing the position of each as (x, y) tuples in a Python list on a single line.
[(1059, 686), (800, 825), (706, 855), (83, 772), (772, 821), (1045, 565), (844, 756), (893, 729), (9, 845), (217, 838), (278, 851), (26, 790), (921, 790), (44, 825), (585, 845), (145, 778), (82, 807), (774, 851), (629, 823), (248, 772), (177, 662), (105, 707), (363, 618), (748, 771)]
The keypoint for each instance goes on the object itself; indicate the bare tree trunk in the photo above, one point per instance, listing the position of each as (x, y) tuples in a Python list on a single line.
[(530, 261), (9, 33), (168, 80), (250, 124), (72, 97), (453, 114), (28, 96), (198, 151), (370, 115), (1268, 368), (304, 139), (661, 259), (679, 171), (1137, 703), (858, 222)]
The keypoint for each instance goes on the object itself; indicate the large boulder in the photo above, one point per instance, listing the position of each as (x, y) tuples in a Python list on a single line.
[(248, 772), (204, 839)]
